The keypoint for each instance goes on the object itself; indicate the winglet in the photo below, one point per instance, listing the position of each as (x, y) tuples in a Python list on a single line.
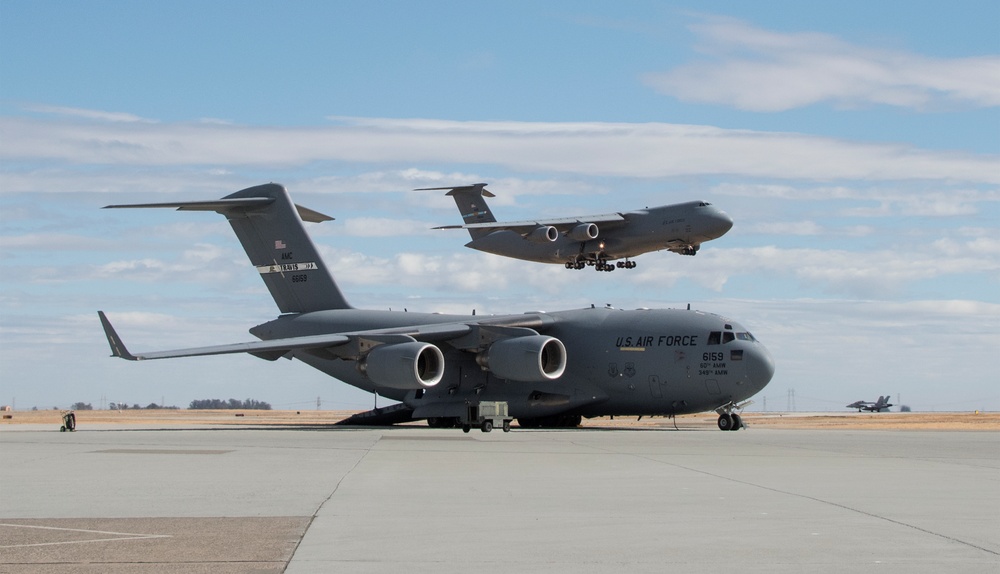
[(117, 347)]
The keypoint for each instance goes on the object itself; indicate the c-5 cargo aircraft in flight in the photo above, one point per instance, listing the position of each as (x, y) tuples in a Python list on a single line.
[(878, 406), (594, 240), (551, 368)]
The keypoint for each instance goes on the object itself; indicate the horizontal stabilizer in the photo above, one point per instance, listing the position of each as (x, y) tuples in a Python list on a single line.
[(210, 205), (226, 206), (477, 188)]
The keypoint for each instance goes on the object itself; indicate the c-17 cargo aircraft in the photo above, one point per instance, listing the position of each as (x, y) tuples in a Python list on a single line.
[(878, 406), (593, 240), (551, 369)]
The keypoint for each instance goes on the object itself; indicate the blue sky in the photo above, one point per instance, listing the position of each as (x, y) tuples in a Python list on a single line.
[(856, 145)]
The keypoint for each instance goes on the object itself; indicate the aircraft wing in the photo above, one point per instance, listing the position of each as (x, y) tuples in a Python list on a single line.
[(265, 349), (275, 348), (608, 221)]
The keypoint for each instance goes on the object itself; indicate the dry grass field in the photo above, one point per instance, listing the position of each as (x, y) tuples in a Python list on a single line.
[(958, 421)]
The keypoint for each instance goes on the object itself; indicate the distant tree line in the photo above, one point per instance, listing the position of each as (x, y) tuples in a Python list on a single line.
[(82, 406), (249, 404), (124, 406)]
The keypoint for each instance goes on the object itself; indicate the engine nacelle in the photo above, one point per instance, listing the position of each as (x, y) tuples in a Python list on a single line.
[(405, 366), (584, 232), (534, 358), (543, 234)]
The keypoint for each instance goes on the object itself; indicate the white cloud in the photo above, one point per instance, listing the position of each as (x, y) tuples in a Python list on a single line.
[(758, 70), (88, 114), (460, 272), (648, 150), (787, 228), (385, 227), (51, 242), (202, 263), (881, 273), (905, 199)]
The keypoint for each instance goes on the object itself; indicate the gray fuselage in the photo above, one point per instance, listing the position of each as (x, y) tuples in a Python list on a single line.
[(676, 227), (636, 362)]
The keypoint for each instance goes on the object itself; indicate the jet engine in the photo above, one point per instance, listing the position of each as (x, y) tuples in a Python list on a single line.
[(534, 358), (543, 234), (405, 366), (583, 232)]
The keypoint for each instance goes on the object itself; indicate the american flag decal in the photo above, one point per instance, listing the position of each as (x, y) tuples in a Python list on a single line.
[(279, 244)]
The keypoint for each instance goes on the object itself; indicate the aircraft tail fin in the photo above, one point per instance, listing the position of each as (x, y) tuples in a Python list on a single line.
[(269, 226), (471, 203)]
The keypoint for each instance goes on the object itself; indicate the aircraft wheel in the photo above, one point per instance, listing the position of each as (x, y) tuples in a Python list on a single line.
[(62, 429), (725, 422), (487, 426), (506, 426), (466, 428), (737, 422), (620, 265)]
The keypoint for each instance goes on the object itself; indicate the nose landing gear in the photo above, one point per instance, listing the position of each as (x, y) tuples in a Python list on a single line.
[(730, 420)]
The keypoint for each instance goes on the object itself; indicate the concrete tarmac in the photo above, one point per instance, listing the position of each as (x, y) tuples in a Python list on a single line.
[(308, 500)]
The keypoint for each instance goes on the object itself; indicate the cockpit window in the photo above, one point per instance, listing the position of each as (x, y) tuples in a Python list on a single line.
[(703, 204), (721, 338)]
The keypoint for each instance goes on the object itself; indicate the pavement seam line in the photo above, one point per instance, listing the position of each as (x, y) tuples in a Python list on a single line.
[(821, 501), (327, 499)]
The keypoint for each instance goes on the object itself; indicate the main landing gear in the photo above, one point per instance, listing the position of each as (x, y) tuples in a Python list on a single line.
[(601, 265), (729, 420)]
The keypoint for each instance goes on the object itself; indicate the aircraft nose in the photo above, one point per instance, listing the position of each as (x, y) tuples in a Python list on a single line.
[(760, 366), (723, 221)]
